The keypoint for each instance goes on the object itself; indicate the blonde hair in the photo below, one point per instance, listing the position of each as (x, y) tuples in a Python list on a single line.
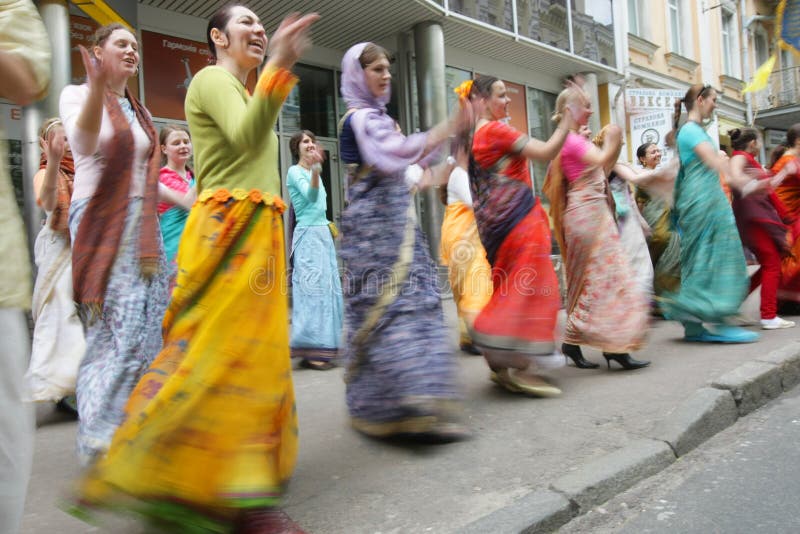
[(600, 138), (48, 125), (570, 94)]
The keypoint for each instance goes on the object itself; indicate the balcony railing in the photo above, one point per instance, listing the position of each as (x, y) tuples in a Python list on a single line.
[(783, 89)]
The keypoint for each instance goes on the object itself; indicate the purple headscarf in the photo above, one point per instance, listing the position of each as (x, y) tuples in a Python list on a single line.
[(354, 82), (380, 144)]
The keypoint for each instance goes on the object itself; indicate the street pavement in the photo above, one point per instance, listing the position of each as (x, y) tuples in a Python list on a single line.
[(746, 479), (346, 483)]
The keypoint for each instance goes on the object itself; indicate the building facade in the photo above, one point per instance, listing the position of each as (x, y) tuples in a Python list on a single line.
[(623, 47), (531, 44)]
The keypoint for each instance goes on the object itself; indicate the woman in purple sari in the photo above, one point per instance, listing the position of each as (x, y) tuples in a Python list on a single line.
[(400, 367)]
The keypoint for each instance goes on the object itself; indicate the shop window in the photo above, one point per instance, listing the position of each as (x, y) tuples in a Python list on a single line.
[(540, 110), (311, 105), (544, 21), (593, 31)]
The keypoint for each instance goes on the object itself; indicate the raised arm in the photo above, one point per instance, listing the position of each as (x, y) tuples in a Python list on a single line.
[(244, 125), (299, 188), (605, 157), (734, 175), (665, 173), (45, 182), (547, 150)]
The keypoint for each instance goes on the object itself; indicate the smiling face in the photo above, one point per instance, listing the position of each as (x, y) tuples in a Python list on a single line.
[(307, 148), (177, 148), (378, 76), (120, 53), (496, 104), (652, 157), (243, 39)]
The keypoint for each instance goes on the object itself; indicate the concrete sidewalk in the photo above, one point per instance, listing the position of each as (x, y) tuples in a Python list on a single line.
[(345, 483)]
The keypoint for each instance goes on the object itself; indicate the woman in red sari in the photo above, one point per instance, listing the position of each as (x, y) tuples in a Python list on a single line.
[(517, 326), (760, 224), (788, 193)]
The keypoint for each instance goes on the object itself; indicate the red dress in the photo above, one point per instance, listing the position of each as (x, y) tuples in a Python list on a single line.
[(515, 231), (788, 194)]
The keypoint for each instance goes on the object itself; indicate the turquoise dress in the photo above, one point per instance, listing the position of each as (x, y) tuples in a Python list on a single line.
[(713, 270), (172, 218), (316, 287)]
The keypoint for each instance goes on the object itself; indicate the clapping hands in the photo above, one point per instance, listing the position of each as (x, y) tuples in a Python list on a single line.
[(291, 40)]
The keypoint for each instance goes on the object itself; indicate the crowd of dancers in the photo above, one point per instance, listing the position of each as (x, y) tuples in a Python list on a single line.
[(163, 259)]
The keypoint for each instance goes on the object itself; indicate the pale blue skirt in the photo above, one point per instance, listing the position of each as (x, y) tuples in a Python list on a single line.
[(316, 295)]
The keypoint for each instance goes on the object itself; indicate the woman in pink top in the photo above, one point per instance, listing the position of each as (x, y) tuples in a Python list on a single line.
[(605, 307), (176, 189)]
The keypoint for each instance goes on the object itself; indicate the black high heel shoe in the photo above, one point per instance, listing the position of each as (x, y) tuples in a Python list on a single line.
[(574, 353), (625, 360)]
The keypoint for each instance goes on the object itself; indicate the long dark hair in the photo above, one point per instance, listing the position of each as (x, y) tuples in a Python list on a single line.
[(294, 143), (791, 138), (689, 100), (482, 86), (741, 137)]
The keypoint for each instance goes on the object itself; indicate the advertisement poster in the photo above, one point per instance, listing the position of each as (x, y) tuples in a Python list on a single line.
[(650, 113), (517, 109), (168, 65), (81, 31)]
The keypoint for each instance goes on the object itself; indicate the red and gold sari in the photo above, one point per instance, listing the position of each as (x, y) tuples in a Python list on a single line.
[(788, 195)]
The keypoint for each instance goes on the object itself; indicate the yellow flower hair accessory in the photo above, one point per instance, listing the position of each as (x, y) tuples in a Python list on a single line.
[(463, 90)]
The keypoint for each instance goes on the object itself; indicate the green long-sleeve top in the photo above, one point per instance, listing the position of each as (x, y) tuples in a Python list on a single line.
[(310, 203), (232, 132)]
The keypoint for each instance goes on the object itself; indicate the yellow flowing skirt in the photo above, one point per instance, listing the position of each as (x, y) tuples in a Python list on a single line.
[(469, 271), (211, 427)]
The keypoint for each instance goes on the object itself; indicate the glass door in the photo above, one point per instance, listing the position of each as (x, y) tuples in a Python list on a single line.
[(331, 178)]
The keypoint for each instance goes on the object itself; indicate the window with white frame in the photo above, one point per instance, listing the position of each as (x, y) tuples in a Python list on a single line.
[(730, 64), (674, 11), (633, 18)]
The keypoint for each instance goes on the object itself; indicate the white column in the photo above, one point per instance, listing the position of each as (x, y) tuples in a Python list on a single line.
[(432, 103)]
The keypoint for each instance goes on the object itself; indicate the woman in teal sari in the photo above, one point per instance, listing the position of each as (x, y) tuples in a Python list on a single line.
[(176, 191), (714, 279)]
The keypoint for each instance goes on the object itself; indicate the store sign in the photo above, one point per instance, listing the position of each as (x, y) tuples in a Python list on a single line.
[(650, 113), (773, 138), (169, 64)]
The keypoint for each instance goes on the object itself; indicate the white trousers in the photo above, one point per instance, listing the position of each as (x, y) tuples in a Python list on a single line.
[(16, 419)]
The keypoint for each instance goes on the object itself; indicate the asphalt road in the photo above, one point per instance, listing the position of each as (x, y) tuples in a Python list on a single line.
[(744, 480)]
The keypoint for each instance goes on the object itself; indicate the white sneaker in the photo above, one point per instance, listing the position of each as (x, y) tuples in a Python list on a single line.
[(776, 323)]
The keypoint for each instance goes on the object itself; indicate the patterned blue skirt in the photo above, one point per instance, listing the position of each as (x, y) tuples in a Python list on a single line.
[(123, 341)]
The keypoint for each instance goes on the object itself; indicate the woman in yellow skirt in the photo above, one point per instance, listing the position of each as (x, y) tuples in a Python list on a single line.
[(462, 252), (210, 437)]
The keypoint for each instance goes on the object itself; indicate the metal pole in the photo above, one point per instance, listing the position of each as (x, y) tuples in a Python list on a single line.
[(432, 102), (55, 15), (31, 213)]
